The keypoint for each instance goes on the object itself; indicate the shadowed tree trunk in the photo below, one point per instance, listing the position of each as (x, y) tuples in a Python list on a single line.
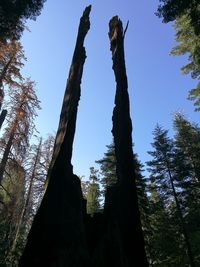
[(124, 202), (2, 117), (8, 147), (57, 234)]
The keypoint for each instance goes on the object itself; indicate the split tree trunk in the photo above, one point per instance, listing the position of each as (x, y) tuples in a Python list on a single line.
[(57, 235), (125, 207)]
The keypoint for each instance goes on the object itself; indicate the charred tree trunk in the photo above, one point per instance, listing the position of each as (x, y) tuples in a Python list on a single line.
[(57, 235), (125, 203)]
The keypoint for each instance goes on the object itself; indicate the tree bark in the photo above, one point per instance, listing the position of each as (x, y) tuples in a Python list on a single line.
[(125, 205), (57, 235)]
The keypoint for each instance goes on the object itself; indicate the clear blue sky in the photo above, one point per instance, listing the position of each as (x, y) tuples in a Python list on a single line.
[(156, 87)]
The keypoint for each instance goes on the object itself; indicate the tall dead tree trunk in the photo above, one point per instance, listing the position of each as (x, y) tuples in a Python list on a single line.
[(57, 235), (125, 204)]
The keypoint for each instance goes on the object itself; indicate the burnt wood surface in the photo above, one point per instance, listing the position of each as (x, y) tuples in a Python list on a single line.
[(122, 202)]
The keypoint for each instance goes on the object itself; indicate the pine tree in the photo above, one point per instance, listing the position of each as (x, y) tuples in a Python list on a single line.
[(164, 171), (12, 194), (164, 239), (108, 168), (93, 192), (23, 106), (186, 15), (187, 140), (11, 61), (14, 14), (35, 168)]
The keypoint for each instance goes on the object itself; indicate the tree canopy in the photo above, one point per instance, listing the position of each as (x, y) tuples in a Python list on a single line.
[(170, 10), (13, 15)]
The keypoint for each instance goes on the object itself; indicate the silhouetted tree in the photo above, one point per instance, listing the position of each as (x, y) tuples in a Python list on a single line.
[(108, 168), (164, 171), (13, 15), (170, 10), (126, 211)]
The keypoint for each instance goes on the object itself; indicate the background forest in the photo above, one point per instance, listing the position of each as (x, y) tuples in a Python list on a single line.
[(168, 183)]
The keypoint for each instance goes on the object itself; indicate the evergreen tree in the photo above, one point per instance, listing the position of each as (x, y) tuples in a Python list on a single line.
[(188, 43), (186, 14), (33, 172), (11, 62), (93, 192), (187, 141), (108, 176), (108, 179), (170, 10), (13, 15), (108, 168), (164, 239), (164, 171), (12, 195), (23, 106)]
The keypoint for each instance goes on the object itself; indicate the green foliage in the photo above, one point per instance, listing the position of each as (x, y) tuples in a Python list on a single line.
[(13, 15), (170, 10), (12, 195), (165, 242), (108, 168), (188, 142), (188, 44), (20, 196), (186, 14), (93, 192), (11, 62), (165, 245), (174, 196)]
